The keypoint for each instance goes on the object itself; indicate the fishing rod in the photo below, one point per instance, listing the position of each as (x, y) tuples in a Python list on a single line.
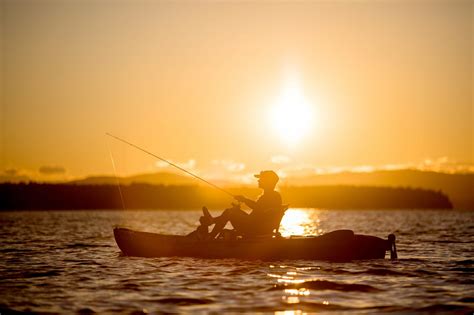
[(170, 163)]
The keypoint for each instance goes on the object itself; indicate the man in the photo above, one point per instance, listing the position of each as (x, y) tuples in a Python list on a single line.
[(260, 219)]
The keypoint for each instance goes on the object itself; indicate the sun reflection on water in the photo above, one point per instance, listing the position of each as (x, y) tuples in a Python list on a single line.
[(301, 291), (296, 312), (300, 222), (291, 299)]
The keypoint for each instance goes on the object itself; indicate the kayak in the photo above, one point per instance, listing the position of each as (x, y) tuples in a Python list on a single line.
[(340, 245)]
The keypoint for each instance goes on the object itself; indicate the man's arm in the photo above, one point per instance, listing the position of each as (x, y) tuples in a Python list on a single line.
[(250, 203)]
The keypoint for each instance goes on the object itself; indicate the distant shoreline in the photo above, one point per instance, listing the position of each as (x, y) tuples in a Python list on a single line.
[(196, 209), (35, 196), (459, 187)]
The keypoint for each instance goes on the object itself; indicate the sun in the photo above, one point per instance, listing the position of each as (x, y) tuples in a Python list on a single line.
[(291, 116)]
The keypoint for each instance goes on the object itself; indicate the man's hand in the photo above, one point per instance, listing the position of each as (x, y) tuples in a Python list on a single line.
[(240, 198)]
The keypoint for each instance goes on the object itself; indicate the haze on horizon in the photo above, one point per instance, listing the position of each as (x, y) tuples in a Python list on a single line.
[(231, 88)]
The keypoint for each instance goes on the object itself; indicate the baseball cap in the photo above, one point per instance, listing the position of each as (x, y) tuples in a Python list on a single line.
[(271, 175)]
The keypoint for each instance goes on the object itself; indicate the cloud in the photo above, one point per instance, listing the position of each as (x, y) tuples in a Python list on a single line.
[(280, 159), (188, 165), (363, 169), (441, 164), (13, 175), (11, 172), (230, 165), (444, 164), (52, 170), (396, 167)]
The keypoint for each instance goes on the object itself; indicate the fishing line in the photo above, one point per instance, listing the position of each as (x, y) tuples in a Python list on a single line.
[(116, 177), (172, 164)]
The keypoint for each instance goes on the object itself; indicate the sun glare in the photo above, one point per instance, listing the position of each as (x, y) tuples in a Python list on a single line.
[(291, 116), (295, 222)]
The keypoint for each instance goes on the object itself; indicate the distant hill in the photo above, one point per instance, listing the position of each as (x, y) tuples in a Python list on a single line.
[(159, 178), (145, 196), (14, 179), (459, 187)]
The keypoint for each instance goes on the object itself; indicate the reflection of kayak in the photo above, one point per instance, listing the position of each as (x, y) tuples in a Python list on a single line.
[(338, 245)]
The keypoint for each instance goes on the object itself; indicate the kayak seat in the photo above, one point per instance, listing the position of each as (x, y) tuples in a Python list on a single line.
[(277, 220)]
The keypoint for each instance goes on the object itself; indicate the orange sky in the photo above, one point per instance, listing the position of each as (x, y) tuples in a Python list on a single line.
[(382, 82)]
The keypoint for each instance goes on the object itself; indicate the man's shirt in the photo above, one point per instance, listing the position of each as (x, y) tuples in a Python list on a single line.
[(267, 201)]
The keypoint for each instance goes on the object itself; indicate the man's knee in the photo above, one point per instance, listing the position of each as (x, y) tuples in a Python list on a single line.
[(228, 213)]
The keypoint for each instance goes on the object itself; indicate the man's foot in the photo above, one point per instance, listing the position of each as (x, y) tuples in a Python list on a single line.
[(207, 214), (205, 221)]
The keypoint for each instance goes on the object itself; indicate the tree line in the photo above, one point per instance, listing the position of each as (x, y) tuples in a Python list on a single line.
[(40, 196)]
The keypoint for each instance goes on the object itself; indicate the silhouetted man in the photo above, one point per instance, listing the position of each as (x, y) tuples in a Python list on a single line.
[(263, 211)]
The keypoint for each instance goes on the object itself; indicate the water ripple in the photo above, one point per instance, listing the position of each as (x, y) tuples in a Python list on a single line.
[(68, 262), (326, 285)]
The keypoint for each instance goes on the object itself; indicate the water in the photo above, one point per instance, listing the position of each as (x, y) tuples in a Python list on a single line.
[(68, 261)]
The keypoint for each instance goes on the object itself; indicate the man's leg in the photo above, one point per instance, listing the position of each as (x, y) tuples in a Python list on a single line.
[(235, 216), (240, 220), (202, 230), (220, 223), (207, 218)]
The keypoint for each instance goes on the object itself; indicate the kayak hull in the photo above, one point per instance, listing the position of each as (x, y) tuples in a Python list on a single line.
[(342, 245)]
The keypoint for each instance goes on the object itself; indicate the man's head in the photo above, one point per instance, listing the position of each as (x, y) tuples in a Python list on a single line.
[(267, 179)]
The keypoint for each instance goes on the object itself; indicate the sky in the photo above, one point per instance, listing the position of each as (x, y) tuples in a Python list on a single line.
[(230, 88)]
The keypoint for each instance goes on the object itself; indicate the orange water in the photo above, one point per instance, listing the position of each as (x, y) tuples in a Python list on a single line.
[(55, 261)]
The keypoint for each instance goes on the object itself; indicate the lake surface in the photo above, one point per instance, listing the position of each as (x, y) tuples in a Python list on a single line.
[(68, 262)]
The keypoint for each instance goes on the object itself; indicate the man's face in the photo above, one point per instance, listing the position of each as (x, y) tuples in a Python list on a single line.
[(264, 182)]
